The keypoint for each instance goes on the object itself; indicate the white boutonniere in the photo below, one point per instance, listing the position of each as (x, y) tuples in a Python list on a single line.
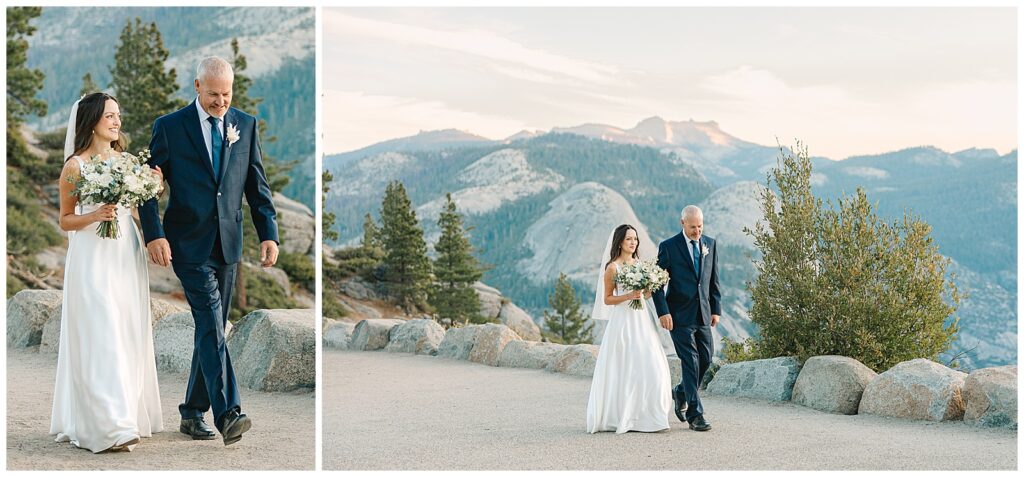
[(232, 134), (703, 250)]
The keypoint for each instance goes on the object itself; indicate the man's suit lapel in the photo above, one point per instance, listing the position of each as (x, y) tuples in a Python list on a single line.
[(683, 244), (229, 119), (194, 132)]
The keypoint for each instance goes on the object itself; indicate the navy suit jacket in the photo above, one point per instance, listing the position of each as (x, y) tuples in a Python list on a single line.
[(686, 295), (200, 207)]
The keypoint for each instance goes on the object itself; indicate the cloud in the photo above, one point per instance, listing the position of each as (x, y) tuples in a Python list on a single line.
[(354, 119), (517, 59)]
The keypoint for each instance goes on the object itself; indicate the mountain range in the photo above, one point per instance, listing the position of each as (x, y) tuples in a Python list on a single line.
[(543, 203)]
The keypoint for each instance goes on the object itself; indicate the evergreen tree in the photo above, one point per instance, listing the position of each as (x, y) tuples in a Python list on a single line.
[(22, 83), (140, 82), (455, 270), (277, 173), (371, 234), (406, 266), (88, 85), (327, 218), (839, 280), (567, 324)]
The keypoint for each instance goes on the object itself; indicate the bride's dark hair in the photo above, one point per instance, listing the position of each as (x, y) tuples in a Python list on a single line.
[(90, 111), (618, 237)]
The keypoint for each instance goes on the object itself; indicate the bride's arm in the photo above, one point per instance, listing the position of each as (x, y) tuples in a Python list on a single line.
[(69, 220), (610, 298)]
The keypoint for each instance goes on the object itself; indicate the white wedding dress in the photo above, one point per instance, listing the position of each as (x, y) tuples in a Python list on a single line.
[(631, 389), (106, 392)]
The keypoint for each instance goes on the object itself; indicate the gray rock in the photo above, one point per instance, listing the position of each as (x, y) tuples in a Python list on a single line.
[(362, 311), (297, 225), (50, 341), (832, 384), (274, 350), (489, 343), (514, 317), (52, 258), (163, 280), (162, 308), (358, 288), (276, 275), (490, 300), (421, 336), (991, 397), (27, 314), (528, 354), (675, 370), (916, 389), (577, 360), (458, 342), (767, 379), (173, 340), (371, 335), (338, 334)]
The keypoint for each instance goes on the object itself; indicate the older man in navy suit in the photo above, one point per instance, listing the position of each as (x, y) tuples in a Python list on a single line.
[(689, 308), (210, 156)]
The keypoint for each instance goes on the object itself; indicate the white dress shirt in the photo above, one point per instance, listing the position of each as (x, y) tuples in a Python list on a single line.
[(208, 128)]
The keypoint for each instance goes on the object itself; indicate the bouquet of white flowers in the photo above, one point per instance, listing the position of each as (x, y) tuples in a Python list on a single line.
[(124, 179), (643, 275)]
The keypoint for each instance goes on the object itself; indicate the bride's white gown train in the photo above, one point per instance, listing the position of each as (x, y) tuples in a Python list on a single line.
[(106, 390), (631, 389)]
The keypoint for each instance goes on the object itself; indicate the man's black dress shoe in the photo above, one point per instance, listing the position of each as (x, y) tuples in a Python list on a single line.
[(196, 428), (232, 425), (699, 424), (680, 405)]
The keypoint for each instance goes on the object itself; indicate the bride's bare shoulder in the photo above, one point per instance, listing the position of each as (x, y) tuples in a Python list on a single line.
[(71, 165)]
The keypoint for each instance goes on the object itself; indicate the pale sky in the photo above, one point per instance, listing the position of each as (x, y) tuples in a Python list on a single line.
[(846, 81)]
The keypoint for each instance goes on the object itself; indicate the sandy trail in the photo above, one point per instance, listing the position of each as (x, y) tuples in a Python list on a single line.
[(400, 411), (282, 436)]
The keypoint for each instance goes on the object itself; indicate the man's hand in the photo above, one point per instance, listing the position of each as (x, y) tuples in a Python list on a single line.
[(714, 319), (159, 252), (666, 321), (268, 253)]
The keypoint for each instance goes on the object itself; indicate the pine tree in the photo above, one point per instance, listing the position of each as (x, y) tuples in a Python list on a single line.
[(22, 83), (88, 85), (567, 324), (277, 173), (140, 82), (371, 234), (406, 266), (455, 270), (327, 218), (839, 280)]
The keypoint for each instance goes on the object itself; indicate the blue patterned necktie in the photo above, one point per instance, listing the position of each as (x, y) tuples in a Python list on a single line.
[(696, 257), (216, 144)]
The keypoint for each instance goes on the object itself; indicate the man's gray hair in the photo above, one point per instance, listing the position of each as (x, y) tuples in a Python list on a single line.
[(214, 67), (691, 211)]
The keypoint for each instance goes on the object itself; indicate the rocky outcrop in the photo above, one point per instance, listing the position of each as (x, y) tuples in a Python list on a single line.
[(338, 334), (577, 360), (422, 336), (490, 341), (173, 341), (370, 335), (274, 350), (297, 225), (458, 342), (832, 384), (519, 321), (916, 389), (990, 396), (27, 314), (528, 354), (490, 300), (767, 379), (359, 289)]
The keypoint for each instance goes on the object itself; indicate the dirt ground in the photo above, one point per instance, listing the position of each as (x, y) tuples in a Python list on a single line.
[(282, 435)]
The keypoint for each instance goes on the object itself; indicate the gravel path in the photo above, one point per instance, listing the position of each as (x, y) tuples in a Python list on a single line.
[(400, 411), (282, 435)]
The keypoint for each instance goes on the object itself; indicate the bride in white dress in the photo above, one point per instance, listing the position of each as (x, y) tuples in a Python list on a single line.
[(631, 386), (106, 395)]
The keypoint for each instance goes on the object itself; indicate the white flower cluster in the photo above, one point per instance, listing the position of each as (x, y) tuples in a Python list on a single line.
[(643, 275), (124, 179)]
